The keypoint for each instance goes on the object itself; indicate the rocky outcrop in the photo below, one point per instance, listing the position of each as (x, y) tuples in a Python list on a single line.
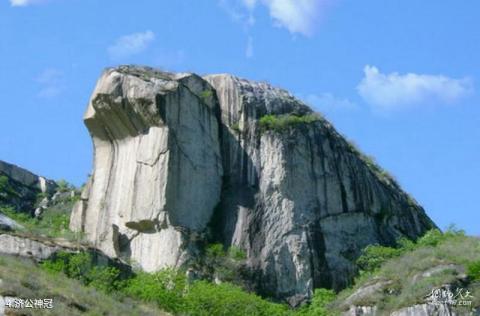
[(157, 167), (15, 245), (7, 224), (177, 156), (20, 188), (302, 200)]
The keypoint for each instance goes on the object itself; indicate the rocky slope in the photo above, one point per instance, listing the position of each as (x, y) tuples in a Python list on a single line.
[(20, 188), (178, 156)]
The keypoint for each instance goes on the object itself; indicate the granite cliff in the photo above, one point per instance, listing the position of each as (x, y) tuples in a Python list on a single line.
[(180, 158), (21, 188)]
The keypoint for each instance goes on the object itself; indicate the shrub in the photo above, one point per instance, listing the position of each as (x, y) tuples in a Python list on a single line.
[(81, 266), (64, 186), (431, 238), (215, 251), (3, 183), (165, 288), (207, 299), (319, 304), (374, 256), (473, 270), (236, 127), (282, 122), (236, 253), (205, 95)]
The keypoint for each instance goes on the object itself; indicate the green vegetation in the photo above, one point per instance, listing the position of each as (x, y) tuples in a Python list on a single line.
[(54, 221), (226, 265), (64, 186), (320, 304), (6, 189), (370, 161), (282, 122), (24, 279), (82, 267), (173, 291), (404, 267), (169, 288), (236, 127), (473, 270), (205, 95), (3, 183)]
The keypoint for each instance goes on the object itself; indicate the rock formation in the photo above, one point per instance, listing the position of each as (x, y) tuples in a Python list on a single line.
[(20, 188), (177, 155), (7, 224)]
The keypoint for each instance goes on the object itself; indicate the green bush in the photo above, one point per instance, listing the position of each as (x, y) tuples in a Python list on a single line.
[(20, 217), (80, 266), (431, 238), (473, 270), (319, 304), (236, 253), (206, 94), (207, 299), (165, 288), (373, 256), (282, 122), (64, 186), (215, 251), (3, 183)]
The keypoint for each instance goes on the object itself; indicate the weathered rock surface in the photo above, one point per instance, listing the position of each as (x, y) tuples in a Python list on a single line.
[(22, 187), (171, 148), (157, 167), (6, 223), (25, 247), (302, 201)]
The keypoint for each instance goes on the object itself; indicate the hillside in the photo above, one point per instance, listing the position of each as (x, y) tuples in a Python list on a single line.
[(22, 278)]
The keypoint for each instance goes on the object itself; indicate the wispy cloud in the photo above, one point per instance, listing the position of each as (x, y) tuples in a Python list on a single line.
[(249, 48), (394, 90), (327, 102), (239, 11), (131, 44), (24, 3), (51, 82), (297, 16)]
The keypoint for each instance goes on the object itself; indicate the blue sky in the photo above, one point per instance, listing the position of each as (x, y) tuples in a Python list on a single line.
[(400, 78)]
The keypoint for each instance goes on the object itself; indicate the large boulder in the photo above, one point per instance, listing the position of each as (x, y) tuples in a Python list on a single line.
[(300, 199), (157, 167), (177, 156)]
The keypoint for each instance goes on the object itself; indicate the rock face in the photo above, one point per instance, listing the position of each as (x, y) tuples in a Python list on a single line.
[(177, 155), (19, 187), (25, 247), (6, 223), (157, 169)]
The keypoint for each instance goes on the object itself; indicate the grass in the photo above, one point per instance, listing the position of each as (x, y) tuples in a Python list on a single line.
[(280, 123), (54, 221), (24, 279), (403, 267)]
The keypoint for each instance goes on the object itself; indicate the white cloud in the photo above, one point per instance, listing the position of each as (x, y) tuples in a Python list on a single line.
[(390, 91), (237, 13), (24, 3), (249, 49), (132, 44), (326, 102), (51, 82), (297, 16)]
